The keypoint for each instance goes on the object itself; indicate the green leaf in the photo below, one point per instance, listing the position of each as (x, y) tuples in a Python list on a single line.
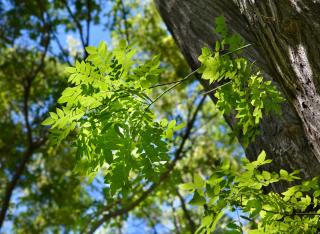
[(206, 54), (53, 115), (284, 173), (207, 220), (232, 226), (179, 127), (198, 181), (226, 165), (60, 113), (261, 158), (221, 27), (187, 186), (197, 199), (169, 133), (171, 124), (71, 70), (48, 121), (256, 231), (216, 220), (211, 71), (91, 49), (266, 175), (105, 107), (164, 122), (102, 47)]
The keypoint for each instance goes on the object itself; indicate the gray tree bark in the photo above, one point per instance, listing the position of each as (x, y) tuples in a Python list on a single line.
[(285, 35)]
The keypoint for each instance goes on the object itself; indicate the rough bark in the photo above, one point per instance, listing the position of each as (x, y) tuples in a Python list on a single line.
[(285, 36)]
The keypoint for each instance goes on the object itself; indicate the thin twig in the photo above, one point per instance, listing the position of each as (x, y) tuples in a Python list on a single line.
[(187, 215), (79, 26), (88, 21), (240, 48), (240, 224), (214, 89), (30, 143), (169, 89), (175, 221), (63, 51), (124, 16), (177, 81)]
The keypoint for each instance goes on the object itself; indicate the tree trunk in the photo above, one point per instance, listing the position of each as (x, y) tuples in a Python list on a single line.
[(285, 36)]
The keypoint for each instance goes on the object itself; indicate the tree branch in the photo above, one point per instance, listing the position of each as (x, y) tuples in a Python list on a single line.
[(175, 221), (12, 184), (63, 51), (124, 17), (187, 215), (79, 26), (88, 20), (30, 144)]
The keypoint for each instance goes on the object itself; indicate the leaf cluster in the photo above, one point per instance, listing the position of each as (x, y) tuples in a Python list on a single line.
[(107, 110), (288, 212), (241, 88)]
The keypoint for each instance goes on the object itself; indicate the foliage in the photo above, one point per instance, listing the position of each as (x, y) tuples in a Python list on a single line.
[(244, 190), (108, 109), (42, 192), (243, 89), (109, 129), (47, 184)]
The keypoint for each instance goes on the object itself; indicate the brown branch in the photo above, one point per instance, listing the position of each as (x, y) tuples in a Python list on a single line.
[(186, 213), (79, 26), (42, 59), (48, 22), (26, 157), (218, 87), (46, 40), (63, 51), (30, 144), (175, 221), (152, 222), (125, 19), (177, 81), (12, 184), (163, 176), (88, 20), (292, 214)]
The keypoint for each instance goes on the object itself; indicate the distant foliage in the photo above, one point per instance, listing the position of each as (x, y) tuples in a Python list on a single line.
[(228, 189), (243, 88)]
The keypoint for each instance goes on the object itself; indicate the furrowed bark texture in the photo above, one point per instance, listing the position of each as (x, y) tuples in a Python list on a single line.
[(286, 37)]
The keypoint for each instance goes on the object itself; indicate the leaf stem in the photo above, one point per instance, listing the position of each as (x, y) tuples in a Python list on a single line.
[(174, 82), (240, 48), (214, 89)]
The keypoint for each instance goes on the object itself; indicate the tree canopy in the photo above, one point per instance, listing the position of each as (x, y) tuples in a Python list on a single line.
[(107, 127)]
